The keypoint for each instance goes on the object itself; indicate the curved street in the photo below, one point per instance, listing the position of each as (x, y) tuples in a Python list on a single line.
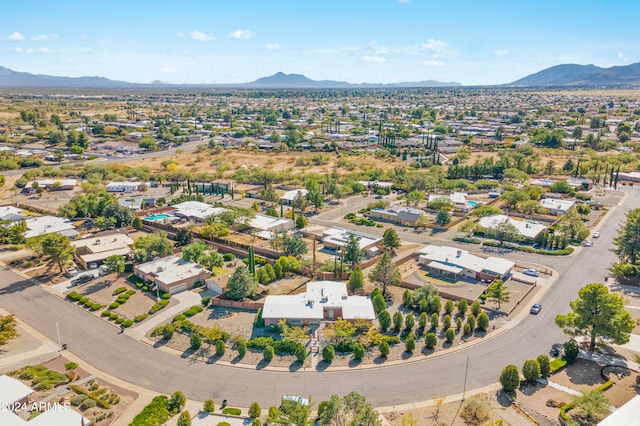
[(119, 355)]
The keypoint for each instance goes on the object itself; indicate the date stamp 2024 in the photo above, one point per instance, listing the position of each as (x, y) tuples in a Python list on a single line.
[(35, 406)]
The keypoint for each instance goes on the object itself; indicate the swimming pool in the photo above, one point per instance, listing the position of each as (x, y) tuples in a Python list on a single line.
[(158, 217), (472, 203)]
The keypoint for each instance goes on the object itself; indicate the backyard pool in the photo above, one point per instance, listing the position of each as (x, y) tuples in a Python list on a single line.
[(472, 203), (158, 217)]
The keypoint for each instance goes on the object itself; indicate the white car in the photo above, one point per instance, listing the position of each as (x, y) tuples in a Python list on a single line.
[(596, 234), (531, 272), (588, 243)]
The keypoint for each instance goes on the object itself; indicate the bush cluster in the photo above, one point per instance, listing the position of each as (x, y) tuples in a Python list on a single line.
[(232, 411), (159, 305), (195, 309), (280, 347)]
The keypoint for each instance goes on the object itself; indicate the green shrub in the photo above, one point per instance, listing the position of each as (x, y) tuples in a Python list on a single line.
[(268, 353), (139, 318), (206, 300), (178, 318), (113, 316), (133, 279), (430, 340), (70, 366), (130, 292), (114, 305), (195, 309), (127, 323), (119, 290), (328, 353), (209, 406), (155, 413), (165, 296), (105, 313), (510, 378), (95, 306), (358, 351), (232, 411), (571, 350), (159, 305), (254, 410), (228, 257), (88, 403), (121, 300), (557, 364), (223, 424), (120, 320), (78, 399)]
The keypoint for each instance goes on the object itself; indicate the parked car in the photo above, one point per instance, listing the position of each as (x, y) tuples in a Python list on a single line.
[(536, 308), (596, 234), (531, 272), (588, 243), (71, 272), (82, 279)]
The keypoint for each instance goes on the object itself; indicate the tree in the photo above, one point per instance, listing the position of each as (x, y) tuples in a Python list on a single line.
[(208, 406), (476, 410), (462, 306), (397, 320), (123, 215), (7, 329), (531, 370), (57, 250), (379, 304), (184, 419), (358, 351), (270, 195), (504, 231), (328, 353), (573, 226), (136, 223), (469, 227), (290, 413), (571, 350), (545, 367), (352, 253), (115, 263), (498, 292), (384, 318), (627, 247), (390, 239), (409, 321), (423, 319), (415, 197), (597, 315), (221, 347), (385, 273), (150, 246), (512, 198), (177, 401), (314, 194), (592, 404), (483, 321), (254, 410), (294, 246), (443, 218), (242, 284), (196, 341), (430, 340), (193, 252), (183, 237), (410, 343), (351, 410), (510, 378), (301, 221), (356, 280)]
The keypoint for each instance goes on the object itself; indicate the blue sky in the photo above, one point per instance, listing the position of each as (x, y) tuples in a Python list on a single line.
[(473, 42)]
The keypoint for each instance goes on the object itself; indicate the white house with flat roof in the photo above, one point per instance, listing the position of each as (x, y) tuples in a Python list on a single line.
[(459, 199), (172, 274), (196, 211), (526, 228), (322, 301), (556, 206), (334, 238), (50, 185), (43, 225), (125, 187), (270, 224), (288, 197), (11, 213), (454, 262), (91, 252), (627, 415)]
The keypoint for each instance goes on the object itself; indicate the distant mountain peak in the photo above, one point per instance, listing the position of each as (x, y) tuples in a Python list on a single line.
[(583, 75)]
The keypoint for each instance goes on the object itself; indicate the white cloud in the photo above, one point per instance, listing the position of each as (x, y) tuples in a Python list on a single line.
[(430, 63), (44, 50), (18, 49), (501, 52), (623, 57), (45, 37), (16, 36), (272, 46), (180, 35), (373, 59), (432, 47), (438, 47), (241, 34), (200, 36)]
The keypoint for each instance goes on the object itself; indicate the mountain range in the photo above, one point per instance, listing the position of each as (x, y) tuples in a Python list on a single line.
[(10, 78), (559, 75), (583, 75)]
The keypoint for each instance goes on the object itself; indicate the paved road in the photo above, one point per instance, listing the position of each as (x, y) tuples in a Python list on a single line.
[(128, 359)]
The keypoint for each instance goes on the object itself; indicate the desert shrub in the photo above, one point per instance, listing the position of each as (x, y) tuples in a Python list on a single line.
[(113, 316), (254, 410), (120, 320), (178, 318), (328, 353), (476, 410), (119, 290), (430, 340), (114, 305), (531, 370), (78, 399), (70, 366), (95, 306), (510, 378), (105, 313), (195, 309), (159, 305), (232, 411), (88, 403), (127, 323), (209, 406), (141, 317), (228, 257)]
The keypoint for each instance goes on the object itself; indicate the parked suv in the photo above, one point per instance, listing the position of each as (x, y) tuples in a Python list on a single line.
[(82, 279)]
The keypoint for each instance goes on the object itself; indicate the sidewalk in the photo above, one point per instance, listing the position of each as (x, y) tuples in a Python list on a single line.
[(186, 299)]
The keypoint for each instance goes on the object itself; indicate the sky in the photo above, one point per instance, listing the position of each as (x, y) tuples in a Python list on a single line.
[(473, 42)]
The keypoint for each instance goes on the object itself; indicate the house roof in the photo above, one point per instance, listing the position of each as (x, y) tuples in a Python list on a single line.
[(43, 225), (528, 228), (125, 184), (456, 197), (454, 257), (311, 304), (198, 210), (171, 269), (266, 223), (339, 237), (625, 415), (12, 390), (104, 243), (556, 204), (290, 195), (51, 182), (11, 213), (58, 417)]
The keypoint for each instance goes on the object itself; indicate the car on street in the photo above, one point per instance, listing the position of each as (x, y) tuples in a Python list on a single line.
[(588, 243), (536, 308), (531, 272), (596, 234), (82, 279)]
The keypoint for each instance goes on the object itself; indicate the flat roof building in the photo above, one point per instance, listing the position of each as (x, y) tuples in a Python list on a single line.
[(526, 228), (451, 261), (43, 225), (91, 252), (197, 211), (172, 274)]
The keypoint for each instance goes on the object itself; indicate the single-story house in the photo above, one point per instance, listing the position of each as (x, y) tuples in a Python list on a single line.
[(526, 228), (50, 185), (454, 262), (91, 252), (270, 224), (195, 211), (629, 176), (172, 274), (11, 213), (288, 197), (459, 199), (125, 187), (322, 301), (334, 238), (375, 184), (43, 225), (406, 216), (556, 206), (626, 415)]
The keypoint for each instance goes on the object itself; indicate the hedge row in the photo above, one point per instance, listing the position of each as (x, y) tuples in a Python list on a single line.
[(126, 323), (563, 410), (159, 305), (561, 252), (280, 347), (195, 309), (232, 411), (88, 303)]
